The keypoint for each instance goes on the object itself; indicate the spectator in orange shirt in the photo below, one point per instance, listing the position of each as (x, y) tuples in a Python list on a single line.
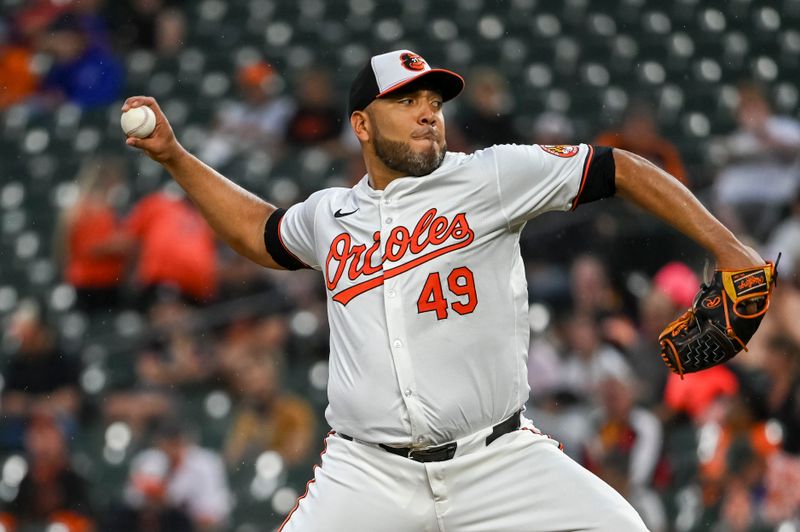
[(639, 134), (696, 393), (16, 78), (83, 230), (734, 455), (176, 248)]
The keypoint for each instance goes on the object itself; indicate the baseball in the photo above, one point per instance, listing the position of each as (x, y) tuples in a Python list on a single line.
[(138, 122)]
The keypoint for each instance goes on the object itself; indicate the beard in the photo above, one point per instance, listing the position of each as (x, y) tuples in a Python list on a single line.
[(400, 157)]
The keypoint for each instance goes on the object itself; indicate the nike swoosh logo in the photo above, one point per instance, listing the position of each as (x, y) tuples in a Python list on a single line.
[(339, 213)]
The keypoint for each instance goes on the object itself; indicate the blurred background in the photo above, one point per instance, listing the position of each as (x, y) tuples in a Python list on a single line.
[(152, 380)]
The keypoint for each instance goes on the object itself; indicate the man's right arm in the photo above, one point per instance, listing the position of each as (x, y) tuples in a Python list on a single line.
[(237, 216)]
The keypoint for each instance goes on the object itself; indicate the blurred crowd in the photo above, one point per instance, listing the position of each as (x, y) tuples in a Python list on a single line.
[(717, 450)]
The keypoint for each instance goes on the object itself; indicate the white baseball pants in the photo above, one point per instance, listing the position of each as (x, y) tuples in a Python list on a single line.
[(521, 482)]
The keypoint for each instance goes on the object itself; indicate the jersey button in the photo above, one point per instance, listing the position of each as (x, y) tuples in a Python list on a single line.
[(398, 343), (420, 439), (408, 392), (388, 220), (391, 293)]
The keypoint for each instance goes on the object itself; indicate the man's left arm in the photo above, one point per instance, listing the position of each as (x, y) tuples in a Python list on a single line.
[(651, 188)]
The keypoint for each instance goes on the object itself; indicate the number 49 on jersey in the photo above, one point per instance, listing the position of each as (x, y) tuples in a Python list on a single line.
[(460, 283)]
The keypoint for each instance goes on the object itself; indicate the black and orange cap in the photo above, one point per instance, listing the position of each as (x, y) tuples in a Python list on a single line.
[(386, 73)]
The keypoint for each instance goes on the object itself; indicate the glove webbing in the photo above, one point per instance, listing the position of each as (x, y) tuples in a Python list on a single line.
[(683, 322)]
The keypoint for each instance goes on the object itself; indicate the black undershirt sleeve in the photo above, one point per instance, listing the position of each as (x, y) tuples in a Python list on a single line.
[(599, 177), (276, 249)]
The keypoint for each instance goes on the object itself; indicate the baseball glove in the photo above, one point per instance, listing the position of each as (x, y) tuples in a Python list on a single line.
[(724, 316)]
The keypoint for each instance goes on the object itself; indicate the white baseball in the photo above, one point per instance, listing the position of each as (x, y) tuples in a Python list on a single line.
[(138, 122)]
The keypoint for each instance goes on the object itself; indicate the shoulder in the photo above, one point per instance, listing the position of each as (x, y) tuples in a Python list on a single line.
[(326, 196), (518, 157), (459, 160), (503, 151)]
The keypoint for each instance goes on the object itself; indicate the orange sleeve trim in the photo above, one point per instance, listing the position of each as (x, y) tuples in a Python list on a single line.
[(586, 164)]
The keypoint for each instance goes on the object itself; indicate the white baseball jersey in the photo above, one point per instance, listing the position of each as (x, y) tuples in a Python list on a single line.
[(427, 297)]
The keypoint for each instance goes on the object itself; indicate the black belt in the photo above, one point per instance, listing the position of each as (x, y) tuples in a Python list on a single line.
[(448, 450)]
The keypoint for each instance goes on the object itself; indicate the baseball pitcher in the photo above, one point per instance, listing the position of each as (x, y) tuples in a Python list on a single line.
[(428, 310)]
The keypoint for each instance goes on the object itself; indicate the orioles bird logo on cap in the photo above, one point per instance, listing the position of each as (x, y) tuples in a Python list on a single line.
[(412, 61)]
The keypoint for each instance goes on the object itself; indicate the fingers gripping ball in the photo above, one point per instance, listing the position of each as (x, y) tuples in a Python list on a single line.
[(724, 316), (138, 122)]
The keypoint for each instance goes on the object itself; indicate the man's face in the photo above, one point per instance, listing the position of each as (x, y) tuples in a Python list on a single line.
[(407, 131)]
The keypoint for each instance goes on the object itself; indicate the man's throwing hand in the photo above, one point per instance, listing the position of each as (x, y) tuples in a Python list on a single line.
[(161, 145)]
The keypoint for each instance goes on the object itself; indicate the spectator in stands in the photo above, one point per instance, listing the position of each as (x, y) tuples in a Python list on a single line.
[(638, 133), (782, 498), (267, 418), (176, 357), (733, 461), (589, 360), (174, 247), (785, 239), (552, 128), (696, 395), (762, 173), (485, 117), (672, 292), (558, 412), (83, 230), (33, 18), (782, 367), (174, 360), (627, 449), (317, 119), (590, 287), (256, 122), (17, 78), (39, 374), (176, 474), (157, 25), (51, 491), (90, 17), (785, 306), (83, 72)]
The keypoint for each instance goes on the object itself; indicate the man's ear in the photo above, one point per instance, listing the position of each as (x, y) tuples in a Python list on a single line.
[(359, 121)]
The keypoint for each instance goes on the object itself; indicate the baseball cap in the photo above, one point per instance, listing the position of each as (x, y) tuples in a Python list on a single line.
[(386, 73)]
